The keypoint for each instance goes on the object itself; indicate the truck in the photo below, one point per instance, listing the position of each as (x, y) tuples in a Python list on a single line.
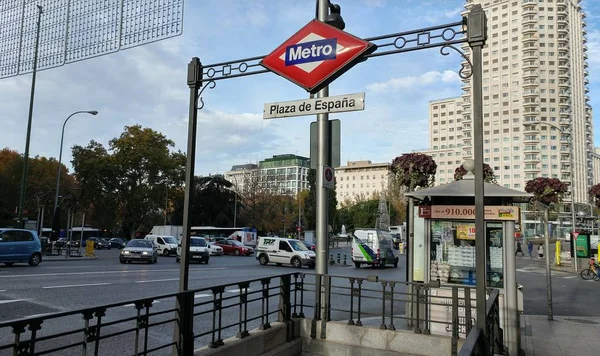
[(168, 230)]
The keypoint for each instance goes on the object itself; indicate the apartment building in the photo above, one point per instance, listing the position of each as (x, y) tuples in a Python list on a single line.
[(361, 179), (536, 108), (242, 176), (285, 173)]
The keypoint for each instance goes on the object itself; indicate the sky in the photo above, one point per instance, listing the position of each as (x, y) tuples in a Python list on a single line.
[(147, 86)]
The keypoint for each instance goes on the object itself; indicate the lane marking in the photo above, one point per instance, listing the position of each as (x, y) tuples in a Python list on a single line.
[(109, 272), (133, 304), (202, 296), (237, 290), (158, 280), (13, 301), (570, 277), (3, 290), (77, 285)]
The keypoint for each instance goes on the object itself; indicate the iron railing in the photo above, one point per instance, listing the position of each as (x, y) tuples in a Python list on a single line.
[(382, 303), (150, 325), (477, 344)]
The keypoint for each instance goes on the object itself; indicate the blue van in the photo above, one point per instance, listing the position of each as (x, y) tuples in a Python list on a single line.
[(18, 245)]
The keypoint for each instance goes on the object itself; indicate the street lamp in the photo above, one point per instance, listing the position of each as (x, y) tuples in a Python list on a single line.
[(92, 112), (570, 138)]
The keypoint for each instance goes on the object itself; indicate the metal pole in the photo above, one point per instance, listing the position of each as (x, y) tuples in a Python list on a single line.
[(574, 252), (476, 33), (81, 235), (166, 205), (510, 285), (322, 192), (548, 271), (299, 214), (185, 341), (235, 205), (29, 119)]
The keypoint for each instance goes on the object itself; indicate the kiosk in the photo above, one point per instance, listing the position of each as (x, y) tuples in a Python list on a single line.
[(443, 248)]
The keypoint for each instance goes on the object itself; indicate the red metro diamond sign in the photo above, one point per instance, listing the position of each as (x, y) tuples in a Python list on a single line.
[(316, 55)]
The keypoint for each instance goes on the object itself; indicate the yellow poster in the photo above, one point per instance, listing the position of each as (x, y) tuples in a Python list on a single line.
[(465, 231)]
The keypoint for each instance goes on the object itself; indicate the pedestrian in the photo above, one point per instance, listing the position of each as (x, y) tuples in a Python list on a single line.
[(530, 248), (541, 251), (519, 249)]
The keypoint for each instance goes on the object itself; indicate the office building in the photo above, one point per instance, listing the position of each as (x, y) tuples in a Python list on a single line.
[(361, 180), (284, 174)]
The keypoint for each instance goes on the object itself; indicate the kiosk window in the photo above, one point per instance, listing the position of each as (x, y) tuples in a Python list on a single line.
[(452, 255)]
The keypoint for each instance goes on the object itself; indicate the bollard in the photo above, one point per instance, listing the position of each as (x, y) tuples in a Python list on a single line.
[(338, 258), (345, 259), (331, 261), (558, 253)]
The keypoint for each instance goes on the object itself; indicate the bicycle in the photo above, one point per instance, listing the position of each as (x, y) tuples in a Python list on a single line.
[(591, 272)]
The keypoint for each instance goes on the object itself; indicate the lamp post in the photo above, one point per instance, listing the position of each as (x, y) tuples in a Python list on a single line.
[(92, 112), (570, 138)]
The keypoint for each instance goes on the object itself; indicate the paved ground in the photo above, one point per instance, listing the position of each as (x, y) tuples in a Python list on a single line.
[(564, 336), (66, 285)]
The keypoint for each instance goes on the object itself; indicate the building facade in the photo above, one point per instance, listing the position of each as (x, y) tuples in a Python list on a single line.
[(284, 174), (536, 114), (242, 176), (361, 180)]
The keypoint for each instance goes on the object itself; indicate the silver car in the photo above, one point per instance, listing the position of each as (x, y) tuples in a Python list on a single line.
[(139, 250)]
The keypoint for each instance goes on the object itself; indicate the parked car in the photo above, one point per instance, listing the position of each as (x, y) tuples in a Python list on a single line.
[(234, 247), (139, 250), (19, 245), (117, 242), (99, 243), (309, 245), (214, 249)]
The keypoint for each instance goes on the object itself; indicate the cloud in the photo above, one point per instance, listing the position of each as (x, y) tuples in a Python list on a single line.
[(411, 82)]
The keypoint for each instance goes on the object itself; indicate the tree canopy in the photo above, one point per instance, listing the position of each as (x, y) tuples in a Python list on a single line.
[(547, 191), (414, 170), (131, 178), (488, 173)]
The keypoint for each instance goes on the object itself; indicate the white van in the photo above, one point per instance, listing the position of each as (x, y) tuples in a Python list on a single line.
[(199, 250), (373, 247), (280, 250), (167, 245)]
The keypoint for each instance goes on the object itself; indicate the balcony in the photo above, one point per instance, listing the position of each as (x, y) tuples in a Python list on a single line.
[(563, 21), (528, 3), (565, 168), (532, 149), (530, 103), (530, 93), (565, 122), (564, 84), (530, 129), (530, 83), (529, 65), (564, 159), (563, 30), (528, 74), (563, 65), (531, 139), (531, 159), (564, 94), (530, 29), (562, 11), (531, 168), (564, 74), (529, 54), (529, 20)]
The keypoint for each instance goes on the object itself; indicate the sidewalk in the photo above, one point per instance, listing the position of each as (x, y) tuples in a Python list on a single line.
[(564, 336), (63, 258)]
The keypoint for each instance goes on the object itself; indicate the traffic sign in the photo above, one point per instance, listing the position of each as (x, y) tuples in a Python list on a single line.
[(331, 104), (575, 234), (328, 177), (316, 55), (335, 138)]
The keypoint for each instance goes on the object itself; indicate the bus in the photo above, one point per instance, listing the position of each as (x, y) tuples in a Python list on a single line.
[(246, 235)]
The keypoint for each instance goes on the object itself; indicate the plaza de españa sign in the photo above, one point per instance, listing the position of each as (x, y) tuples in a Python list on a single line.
[(316, 55)]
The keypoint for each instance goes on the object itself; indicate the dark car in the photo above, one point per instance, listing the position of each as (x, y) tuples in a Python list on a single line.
[(309, 245), (99, 243), (234, 247), (139, 250), (117, 242)]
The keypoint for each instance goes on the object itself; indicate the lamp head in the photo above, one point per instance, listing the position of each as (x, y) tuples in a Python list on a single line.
[(93, 112), (335, 17), (469, 165)]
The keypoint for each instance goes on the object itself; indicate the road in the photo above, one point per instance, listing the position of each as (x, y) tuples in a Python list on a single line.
[(67, 285)]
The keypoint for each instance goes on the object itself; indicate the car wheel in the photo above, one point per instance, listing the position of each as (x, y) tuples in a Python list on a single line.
[(35, 259), (122, 261), (9, 263), (263, 260), (356, 264), (206, 261), (296, 262), (165, 252), (236, 252), (177, 259)]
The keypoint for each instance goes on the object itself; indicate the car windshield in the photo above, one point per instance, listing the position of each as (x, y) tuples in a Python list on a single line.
[(140, 243), (170, 240), (198, 242), (297, 245)]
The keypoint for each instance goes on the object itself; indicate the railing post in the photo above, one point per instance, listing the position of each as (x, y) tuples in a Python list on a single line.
[(294, 313), (391, 325), (265, 303), (468, 317), (455, 323), (96, 330), (359, 282), (19, 347), (243, 331), (34, 326), (285, 309), (302, 276), (426, 320), (382, 326), (317, 313), (217, 308), (185, 323), (351, 321), (87, 316), (416, 308)]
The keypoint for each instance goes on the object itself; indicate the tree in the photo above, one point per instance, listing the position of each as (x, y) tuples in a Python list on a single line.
[(129, 178), (413, 170), (547, 191), (488, 173), (594, 193)]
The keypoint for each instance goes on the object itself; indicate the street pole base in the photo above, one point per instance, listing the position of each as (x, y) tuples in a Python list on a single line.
[(350, 322), (242, 334), (391, 327), (215, 344), (264, 326)]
